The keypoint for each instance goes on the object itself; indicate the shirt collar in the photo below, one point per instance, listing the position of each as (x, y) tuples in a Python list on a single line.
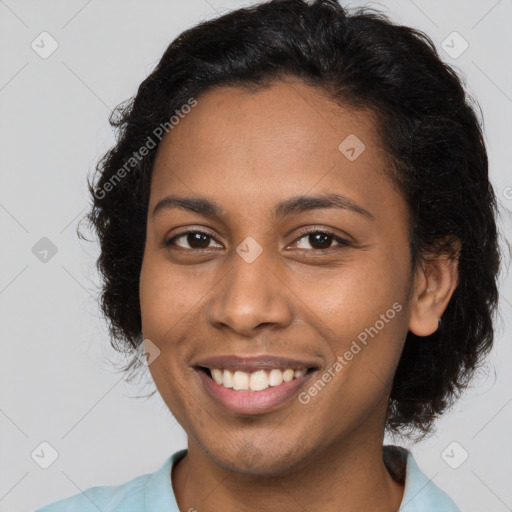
[(420, 493), (159, 494)]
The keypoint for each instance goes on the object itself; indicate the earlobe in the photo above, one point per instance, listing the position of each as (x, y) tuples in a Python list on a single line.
[(424, 319), (434, 285)]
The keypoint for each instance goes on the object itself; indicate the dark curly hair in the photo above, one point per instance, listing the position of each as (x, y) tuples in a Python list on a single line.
[(429, 130)]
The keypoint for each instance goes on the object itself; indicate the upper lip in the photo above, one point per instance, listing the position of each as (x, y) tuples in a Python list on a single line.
[(252, 364)]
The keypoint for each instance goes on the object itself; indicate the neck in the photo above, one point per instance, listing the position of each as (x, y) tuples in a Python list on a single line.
[(348, 477)]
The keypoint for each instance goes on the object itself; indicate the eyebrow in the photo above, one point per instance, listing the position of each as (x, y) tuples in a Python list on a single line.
[(294, 205)]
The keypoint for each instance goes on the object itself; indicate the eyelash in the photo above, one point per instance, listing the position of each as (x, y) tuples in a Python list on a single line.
[(341, 241)]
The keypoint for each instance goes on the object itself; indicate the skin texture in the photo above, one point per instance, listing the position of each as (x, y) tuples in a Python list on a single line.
[(248, 151)]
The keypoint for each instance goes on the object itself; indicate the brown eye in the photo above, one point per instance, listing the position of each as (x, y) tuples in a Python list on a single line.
[(194, 239), (321, 240)]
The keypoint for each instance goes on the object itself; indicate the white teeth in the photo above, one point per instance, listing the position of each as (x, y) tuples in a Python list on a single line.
[(258, 381), (275, 378), (240, 381), (288, 375), (217, 375), (255, 381), (227, 379)]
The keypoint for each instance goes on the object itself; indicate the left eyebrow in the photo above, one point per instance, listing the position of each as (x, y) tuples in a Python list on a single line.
[(294, 205), (301, 204)]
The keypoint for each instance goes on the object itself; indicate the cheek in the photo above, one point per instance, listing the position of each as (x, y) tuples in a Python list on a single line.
[(351, 299), (169, 302), (365, 328), (165, 296), (172, 389), (361, 314)]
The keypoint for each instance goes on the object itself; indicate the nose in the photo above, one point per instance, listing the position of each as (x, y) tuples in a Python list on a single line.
[(251, 296)]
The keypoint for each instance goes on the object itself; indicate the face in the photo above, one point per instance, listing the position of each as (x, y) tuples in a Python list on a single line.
[(242, 275)]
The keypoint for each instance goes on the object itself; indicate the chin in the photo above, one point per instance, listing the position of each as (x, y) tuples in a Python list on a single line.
[(257, 459)]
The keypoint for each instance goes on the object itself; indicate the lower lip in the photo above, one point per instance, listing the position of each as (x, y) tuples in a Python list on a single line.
[(253, 402)]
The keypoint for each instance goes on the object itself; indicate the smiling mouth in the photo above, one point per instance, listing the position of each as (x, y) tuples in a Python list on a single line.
[(253, 381)]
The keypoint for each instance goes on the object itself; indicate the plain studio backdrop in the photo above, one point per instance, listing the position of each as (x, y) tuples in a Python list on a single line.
[(65, 66)]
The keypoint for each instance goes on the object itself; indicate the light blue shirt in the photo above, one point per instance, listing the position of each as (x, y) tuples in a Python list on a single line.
[(154, 493)]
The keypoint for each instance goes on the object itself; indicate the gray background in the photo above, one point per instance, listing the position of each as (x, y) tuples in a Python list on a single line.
[(57, 383)]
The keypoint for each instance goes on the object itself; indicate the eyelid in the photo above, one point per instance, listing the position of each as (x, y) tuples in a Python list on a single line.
[(325, 230), (167, 241), (307, 231)]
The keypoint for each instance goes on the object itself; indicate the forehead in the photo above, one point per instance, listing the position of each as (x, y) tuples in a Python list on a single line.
[(289, 138), (289, 115)]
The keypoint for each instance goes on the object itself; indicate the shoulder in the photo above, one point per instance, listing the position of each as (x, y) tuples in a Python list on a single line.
[(127, 497), (420, 492), (135, 495)]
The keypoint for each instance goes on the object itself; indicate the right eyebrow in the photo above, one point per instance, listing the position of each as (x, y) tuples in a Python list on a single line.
[(199, 205)]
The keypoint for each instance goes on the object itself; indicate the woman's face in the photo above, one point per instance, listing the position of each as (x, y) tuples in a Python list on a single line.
[(262, 290)]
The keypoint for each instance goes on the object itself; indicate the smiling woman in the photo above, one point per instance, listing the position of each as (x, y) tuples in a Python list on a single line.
[(309, 258)]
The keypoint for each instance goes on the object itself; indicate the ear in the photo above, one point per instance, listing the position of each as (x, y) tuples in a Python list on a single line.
[(435, 281)]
